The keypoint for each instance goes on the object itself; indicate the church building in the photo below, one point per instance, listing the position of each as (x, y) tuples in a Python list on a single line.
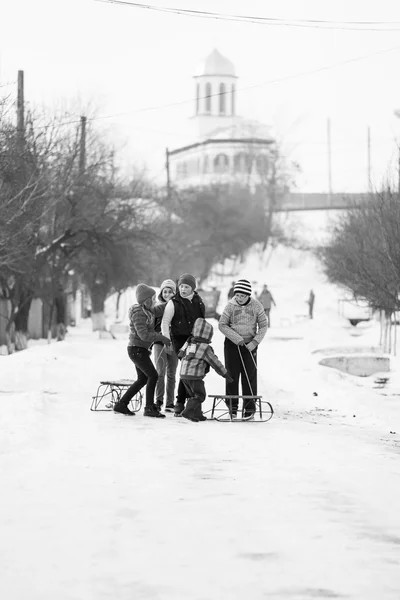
[(227, 147)]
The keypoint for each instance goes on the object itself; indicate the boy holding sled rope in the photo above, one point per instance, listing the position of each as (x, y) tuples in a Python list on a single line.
[(244, 325)]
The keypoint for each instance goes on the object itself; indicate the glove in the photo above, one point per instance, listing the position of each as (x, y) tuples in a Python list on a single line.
[(251, 346), (166, 341), (229, 378)]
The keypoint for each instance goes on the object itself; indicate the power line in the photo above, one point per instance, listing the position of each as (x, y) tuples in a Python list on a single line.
[(270, 21), (245, 88)]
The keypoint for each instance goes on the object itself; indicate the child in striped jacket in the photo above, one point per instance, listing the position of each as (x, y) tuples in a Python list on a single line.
[(197, 358)]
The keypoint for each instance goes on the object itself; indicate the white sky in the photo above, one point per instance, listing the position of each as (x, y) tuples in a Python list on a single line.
[(122, 60), (105, 507)]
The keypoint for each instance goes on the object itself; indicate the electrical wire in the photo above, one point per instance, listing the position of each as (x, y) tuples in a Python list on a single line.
[(244, 88), (270, 21)]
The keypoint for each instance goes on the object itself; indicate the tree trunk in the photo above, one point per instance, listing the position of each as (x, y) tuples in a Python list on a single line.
[(98, 295), (21, 320)]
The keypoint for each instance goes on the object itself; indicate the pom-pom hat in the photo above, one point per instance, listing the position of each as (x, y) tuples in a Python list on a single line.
[(242, 286)]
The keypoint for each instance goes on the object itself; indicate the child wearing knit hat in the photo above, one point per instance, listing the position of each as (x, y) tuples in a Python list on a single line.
[(244, 325), (177, 323), (141, 335), (165, 362)]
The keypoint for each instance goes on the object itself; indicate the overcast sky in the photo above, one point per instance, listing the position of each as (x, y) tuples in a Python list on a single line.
[(123, 60)]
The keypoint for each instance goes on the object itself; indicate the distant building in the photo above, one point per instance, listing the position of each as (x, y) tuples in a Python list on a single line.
[(228, 147)]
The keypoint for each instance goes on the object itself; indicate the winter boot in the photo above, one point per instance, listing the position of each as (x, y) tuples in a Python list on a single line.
[(121, 407), (199, 413), (151, 411), (158, 406), (192, 406), (179, 408), (169, 408)]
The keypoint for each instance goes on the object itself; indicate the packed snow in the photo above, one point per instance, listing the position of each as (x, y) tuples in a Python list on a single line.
[(100, 506)]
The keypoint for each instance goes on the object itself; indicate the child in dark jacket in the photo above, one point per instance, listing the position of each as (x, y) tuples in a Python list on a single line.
[(197, 356)]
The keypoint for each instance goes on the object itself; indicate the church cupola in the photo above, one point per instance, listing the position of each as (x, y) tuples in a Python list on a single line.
[(215, 88)]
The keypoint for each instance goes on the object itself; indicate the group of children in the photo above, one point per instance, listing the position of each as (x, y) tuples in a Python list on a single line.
[(176, 329)]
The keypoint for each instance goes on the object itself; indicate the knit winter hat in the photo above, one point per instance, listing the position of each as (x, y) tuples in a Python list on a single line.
[(143, 292), (243, 286), (188, 279), (168, 283)]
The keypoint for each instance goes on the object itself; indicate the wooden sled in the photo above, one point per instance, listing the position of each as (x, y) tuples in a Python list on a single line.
[(222, 405), (110, 392)]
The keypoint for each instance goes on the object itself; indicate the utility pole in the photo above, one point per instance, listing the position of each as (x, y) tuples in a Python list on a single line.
[(20, 112), (82, 147), (369, 160), (168, 173), (328, 131)]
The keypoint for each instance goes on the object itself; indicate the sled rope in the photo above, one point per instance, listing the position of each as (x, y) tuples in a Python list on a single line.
[(245, 370)]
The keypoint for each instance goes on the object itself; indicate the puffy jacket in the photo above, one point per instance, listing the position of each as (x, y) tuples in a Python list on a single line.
[(197, 354), (141, 332), (185, 314)]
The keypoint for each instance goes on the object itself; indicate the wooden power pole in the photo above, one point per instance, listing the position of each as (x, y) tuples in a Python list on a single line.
[(328, 131), (168, 173), (369, 160), (82, 147), (20, 112)]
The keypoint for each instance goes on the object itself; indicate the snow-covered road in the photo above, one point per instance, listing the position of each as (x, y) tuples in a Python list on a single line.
[(102, 506)]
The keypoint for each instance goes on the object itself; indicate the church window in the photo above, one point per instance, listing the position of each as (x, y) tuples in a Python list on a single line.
[(221, 163), (241, 163), (221, 98), (208, 97), (233, 99), (262, 164)]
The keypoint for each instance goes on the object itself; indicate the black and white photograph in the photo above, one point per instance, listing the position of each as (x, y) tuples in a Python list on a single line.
[(199, 300)]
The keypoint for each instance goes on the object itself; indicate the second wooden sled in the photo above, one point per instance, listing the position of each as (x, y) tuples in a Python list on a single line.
[(222, 405), (109, 392)]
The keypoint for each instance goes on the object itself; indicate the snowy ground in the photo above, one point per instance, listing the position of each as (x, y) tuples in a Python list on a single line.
[(101, 506)]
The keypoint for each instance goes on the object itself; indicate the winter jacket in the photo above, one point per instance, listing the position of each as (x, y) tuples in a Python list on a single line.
[(244, 323), (185, 313), (266, 298), (157, 324), (197, 354), (141, 332)]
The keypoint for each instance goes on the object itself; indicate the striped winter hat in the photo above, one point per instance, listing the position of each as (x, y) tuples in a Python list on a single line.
[(242, 286)]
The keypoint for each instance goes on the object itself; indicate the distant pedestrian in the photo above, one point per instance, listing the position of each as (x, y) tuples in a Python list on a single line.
[(141, 336), (231, 292), (244, 325), (310, 302), (177, 323), (197, 357), (266, 299), (165, 362)]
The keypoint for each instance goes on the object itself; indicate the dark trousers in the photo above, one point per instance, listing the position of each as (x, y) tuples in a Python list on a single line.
[(146, 375), (241, 364), (178, 342), (195, 388)]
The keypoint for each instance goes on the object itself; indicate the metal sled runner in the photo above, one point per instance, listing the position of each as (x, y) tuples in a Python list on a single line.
[(222, 409), (110, 392)]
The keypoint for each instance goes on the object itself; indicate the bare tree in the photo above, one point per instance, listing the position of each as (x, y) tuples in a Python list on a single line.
[(364, 256)]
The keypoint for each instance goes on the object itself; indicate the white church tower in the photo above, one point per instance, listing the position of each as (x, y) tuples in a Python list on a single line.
[(215, 94)]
